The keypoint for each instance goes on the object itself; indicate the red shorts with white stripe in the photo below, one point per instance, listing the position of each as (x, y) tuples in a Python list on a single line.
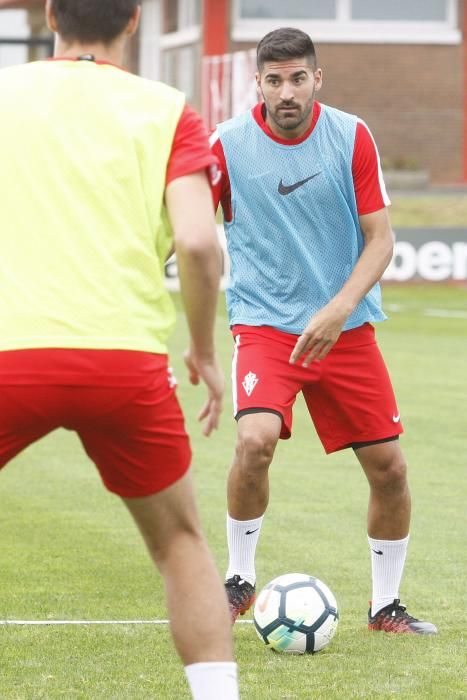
[(122, 405), (348, 394)]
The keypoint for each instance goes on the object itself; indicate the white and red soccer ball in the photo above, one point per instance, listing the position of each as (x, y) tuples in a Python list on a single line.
[(296, 613)]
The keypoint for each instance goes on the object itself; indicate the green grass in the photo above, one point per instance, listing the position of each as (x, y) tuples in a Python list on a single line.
[(69, 550), (422, 210)]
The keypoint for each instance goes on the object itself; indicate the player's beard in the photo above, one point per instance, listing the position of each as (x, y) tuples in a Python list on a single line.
[(290, 122)]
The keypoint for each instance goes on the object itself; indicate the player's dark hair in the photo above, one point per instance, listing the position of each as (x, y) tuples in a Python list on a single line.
[(90, 21), (282, 44)]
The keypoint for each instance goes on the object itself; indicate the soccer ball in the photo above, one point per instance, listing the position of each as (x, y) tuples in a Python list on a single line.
[(296, 613)]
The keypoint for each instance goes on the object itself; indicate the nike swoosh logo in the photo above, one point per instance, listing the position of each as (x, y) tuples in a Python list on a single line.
[(397, 418), (250, 532), (263, 604), (287, 189), (377, 551)]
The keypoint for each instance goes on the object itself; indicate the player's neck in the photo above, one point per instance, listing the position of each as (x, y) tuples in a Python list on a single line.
[(109, 53)]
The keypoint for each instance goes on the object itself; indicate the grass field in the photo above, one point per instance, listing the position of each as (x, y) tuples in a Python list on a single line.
[(70, 552), (421, 209)]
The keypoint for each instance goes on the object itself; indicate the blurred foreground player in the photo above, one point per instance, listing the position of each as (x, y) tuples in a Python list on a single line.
[(97, 167), (309, 237)]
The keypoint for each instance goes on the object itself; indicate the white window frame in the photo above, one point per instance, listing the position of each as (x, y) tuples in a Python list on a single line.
[(185, 12), (346, 30), (185, 36), (150, 30), (14, 25)]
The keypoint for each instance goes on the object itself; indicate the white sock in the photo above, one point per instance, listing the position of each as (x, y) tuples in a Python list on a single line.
[(242, 538), (387, 565), (213, 680)]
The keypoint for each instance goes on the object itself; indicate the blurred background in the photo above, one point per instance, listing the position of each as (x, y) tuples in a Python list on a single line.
[(401, 66)]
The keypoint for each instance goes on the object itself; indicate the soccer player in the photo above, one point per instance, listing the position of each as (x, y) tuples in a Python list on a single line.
[(309, 237), (97, 166)]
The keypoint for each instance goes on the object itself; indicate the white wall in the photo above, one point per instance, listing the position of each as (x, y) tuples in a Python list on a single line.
[(13, 25)]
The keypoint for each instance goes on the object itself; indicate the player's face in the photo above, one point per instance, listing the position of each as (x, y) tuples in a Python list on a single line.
[(288, 89)]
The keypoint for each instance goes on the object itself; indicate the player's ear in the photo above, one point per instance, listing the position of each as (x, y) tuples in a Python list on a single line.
[(318, 75), (133, 23), (50, 17), (258, 84)]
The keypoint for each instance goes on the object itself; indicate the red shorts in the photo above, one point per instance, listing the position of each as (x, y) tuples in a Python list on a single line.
[(122, 405), (348, 394)]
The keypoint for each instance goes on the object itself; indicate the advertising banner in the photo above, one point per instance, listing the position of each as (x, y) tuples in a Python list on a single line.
[(429, 255), (420, 255)]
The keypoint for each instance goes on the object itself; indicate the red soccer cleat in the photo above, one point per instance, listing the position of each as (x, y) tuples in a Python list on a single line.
[(395, 618), (241, 596)]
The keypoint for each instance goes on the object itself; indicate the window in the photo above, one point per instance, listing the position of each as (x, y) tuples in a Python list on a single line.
[(180, 14), (15, 27), (288, 9), (189, 59), (171, 16), (182, 25), (180, 69), (397, 10), (351, 21), (181, 46)]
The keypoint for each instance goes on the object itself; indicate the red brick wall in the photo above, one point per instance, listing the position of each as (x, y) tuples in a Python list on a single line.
[(410, 96)]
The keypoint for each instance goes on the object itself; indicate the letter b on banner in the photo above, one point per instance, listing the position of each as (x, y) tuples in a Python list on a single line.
[(420, 255)]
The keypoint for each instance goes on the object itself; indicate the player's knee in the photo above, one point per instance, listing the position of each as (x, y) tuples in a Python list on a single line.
[(390, 473), (255, 450), (187, 537)]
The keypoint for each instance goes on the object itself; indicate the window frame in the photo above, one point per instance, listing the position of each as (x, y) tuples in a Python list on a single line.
[(185, 36), (346, 30), (188, 37)]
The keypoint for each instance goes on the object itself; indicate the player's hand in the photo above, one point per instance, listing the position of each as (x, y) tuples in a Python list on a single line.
[(208, 370), (320, 334)]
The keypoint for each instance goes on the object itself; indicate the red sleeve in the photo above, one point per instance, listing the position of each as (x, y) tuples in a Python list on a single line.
[(190, 148), (220, 183), (370, 190)]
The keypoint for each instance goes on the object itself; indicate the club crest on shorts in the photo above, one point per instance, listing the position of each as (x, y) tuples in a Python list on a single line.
[(249, 382), (171, 378)]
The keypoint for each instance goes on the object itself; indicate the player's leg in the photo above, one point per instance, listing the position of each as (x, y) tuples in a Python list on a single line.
[(388, 535), (389, 500), (247, 499), (248, 481), (263, 395), (138, 442), (354, 406), (196, 602), (388, 518), (169, 524), (27, 413)]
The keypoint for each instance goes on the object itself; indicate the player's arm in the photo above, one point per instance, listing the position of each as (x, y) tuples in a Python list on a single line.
[(325, 326), (189, 207), (375, 257), (220, 182)]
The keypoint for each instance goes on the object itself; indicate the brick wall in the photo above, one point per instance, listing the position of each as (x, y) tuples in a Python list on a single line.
[(410, 96)]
